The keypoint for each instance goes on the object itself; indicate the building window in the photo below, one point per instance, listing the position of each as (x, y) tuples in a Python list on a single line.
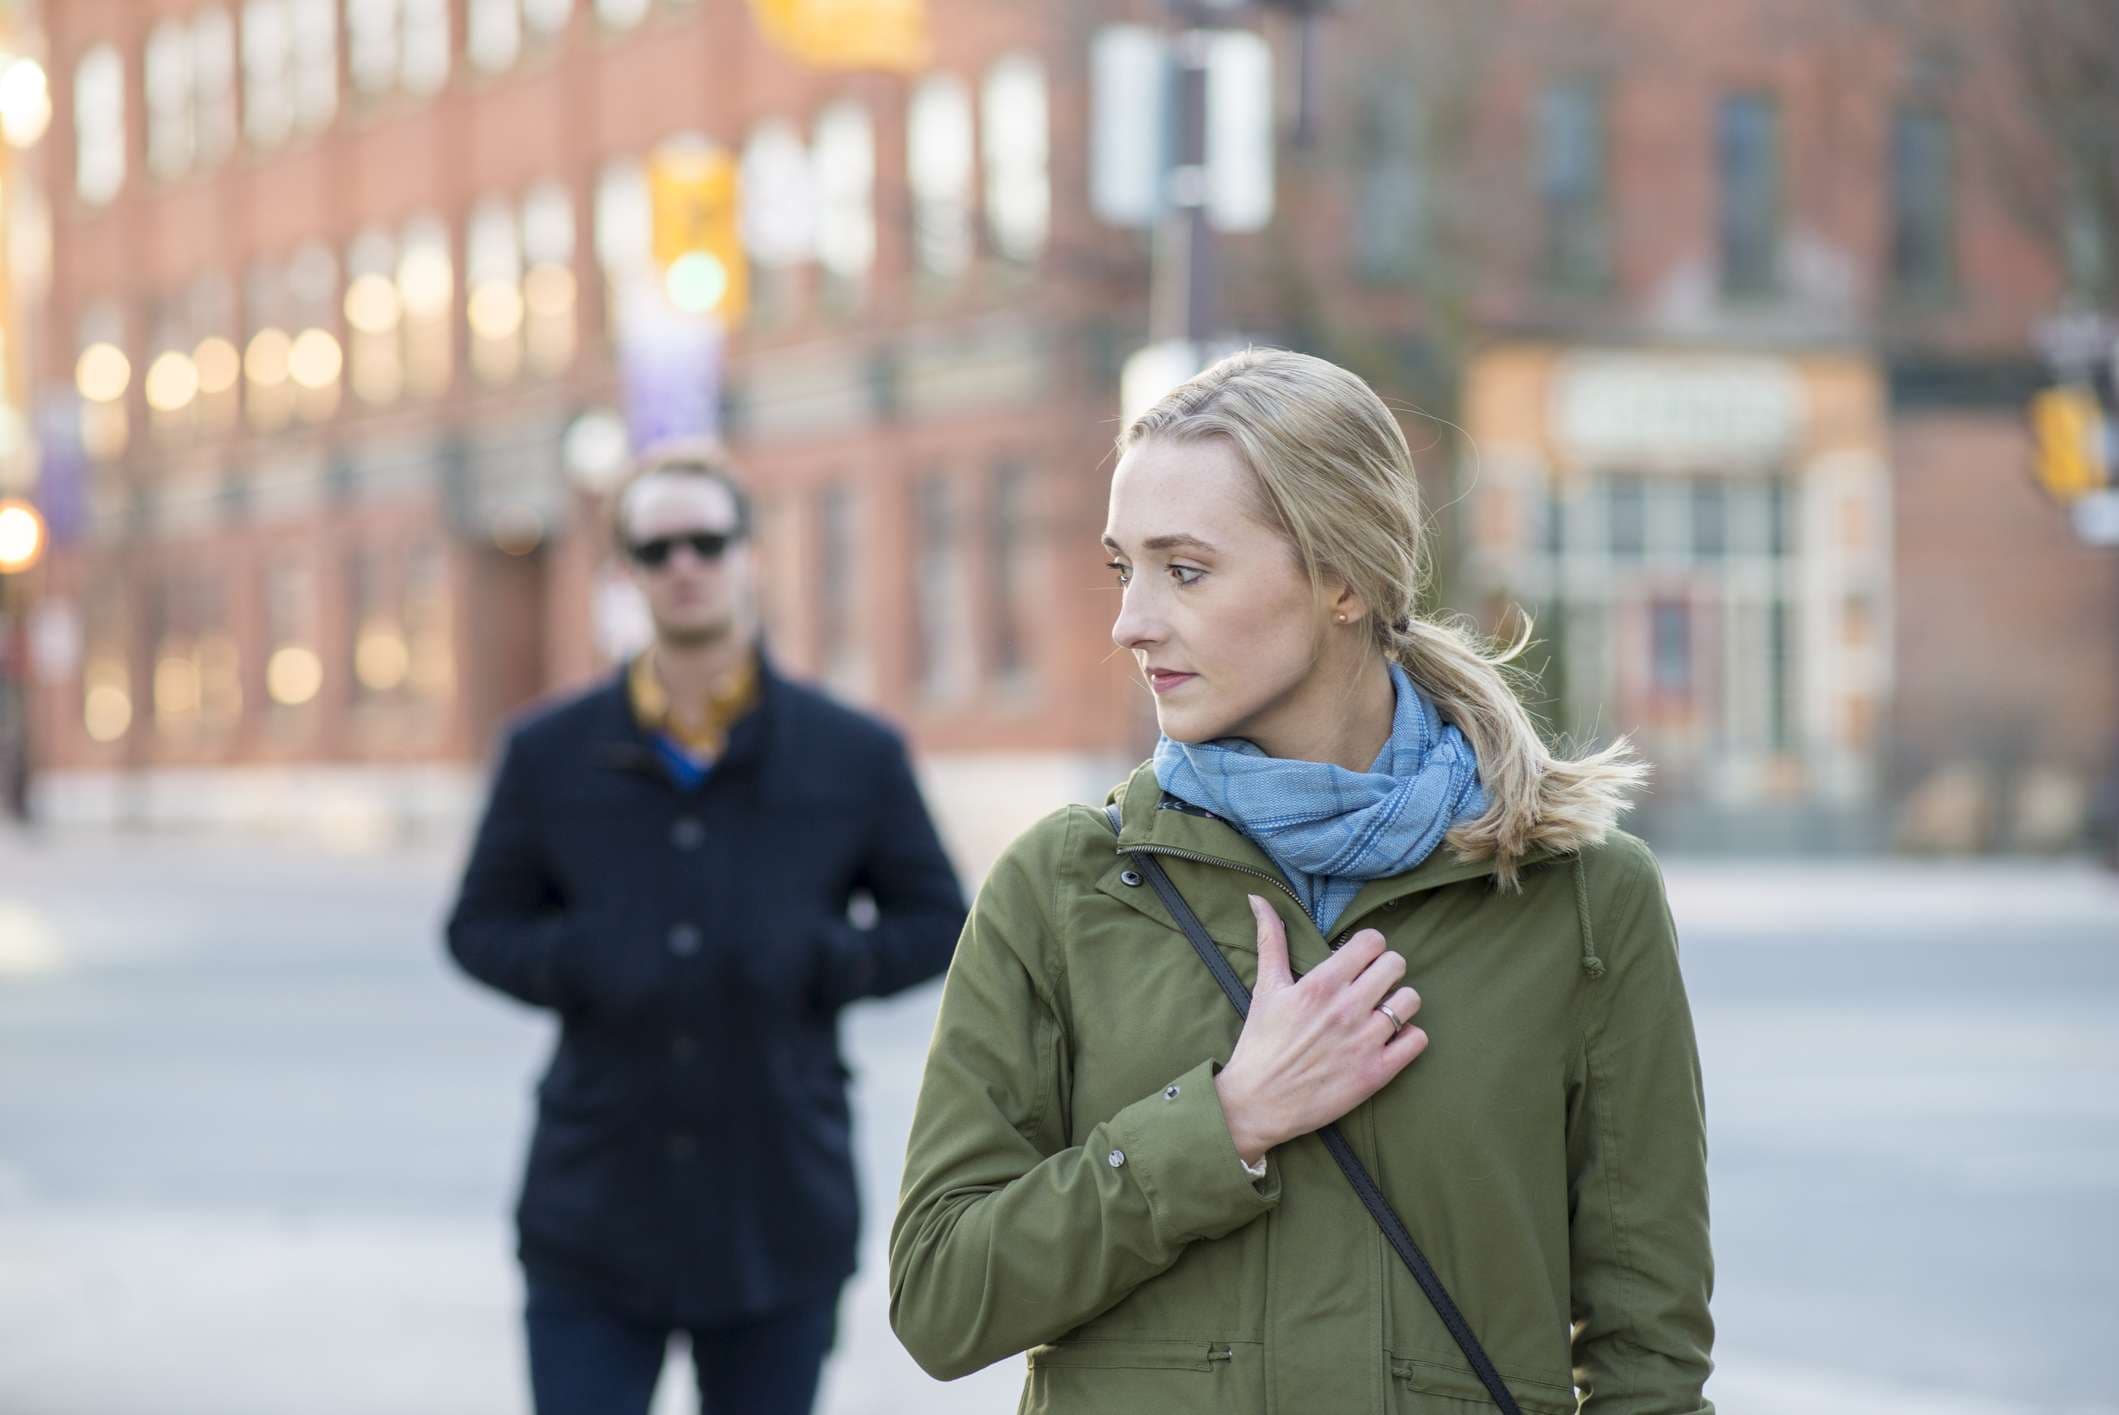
[(171, 384), (426, 295), (106, 670), (372, 44), (493, 271), (1923, 204), (315, 57), (1626, 517), (198, 684), (294, 668), (374, 319), (171, 114), (779, 218), (938, 168), (268, 78), (99, 125), (213, 86), (1016, 137), (1710, 520), (938, 591), (1748, 157), (548, 283), (1009, 550), (1670, 647), (217, 366), (546, 18), (103, 378), (621, 14), (492, 33), (315, 359), (424, 61), (624, 229), (268, 391), (1572, 187), (846, 218), (2089, 203), (1387, 230), (401, 651)]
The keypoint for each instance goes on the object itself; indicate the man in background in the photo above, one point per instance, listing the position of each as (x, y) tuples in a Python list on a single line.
[(666, 862)]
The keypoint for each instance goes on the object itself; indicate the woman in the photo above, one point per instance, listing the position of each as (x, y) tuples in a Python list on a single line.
[(1112, 1172)]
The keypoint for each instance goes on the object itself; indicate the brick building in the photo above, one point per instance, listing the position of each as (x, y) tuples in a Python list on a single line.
[(330, 282)]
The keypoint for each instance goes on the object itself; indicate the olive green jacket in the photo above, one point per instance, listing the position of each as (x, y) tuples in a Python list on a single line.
[(1071, 1190)]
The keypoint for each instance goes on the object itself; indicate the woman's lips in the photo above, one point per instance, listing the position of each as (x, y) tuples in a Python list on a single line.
[(1162, 680)]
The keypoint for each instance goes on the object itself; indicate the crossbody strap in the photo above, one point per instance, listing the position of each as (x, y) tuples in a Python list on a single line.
[(1394, 1230)]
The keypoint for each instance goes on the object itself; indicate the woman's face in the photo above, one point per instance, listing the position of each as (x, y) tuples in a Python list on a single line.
[(1216, 611)]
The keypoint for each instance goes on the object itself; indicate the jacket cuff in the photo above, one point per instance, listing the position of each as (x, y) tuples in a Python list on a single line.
[(1177, 1144), (845, 966)]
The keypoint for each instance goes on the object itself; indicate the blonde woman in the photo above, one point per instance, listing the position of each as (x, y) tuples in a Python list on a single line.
[(1461, 974)]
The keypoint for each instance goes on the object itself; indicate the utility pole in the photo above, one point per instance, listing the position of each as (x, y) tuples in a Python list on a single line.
[(1181, 305)]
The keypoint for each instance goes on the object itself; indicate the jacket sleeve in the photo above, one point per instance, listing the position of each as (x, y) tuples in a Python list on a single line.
[(508, 929), (1011, 1231), (1642, 1267), (919, 905)]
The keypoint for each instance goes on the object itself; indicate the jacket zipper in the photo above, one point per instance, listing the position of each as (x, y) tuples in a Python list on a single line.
[(1331, 944)]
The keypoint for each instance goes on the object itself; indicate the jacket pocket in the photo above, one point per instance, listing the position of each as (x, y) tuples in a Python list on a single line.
[(1449, 1389), (1168, 1377)]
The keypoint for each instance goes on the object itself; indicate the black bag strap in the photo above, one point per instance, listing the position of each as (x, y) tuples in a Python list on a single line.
[(1394, 1229)]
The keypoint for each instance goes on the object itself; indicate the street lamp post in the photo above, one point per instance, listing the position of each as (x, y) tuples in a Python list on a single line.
[(21, 547), (25, 113), (1184, 320)]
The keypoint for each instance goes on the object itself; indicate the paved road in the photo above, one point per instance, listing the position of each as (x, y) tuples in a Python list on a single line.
[(256, 1142)]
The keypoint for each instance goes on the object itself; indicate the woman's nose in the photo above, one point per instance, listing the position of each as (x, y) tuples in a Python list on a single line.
[(1136, 625)]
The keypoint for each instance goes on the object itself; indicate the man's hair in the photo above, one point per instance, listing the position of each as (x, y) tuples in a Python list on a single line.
[(704, 459)]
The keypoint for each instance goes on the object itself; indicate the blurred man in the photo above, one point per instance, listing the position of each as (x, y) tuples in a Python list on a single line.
[(667, 863)]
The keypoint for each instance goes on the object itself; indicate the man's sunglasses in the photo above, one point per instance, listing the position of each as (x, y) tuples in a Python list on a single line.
[(707, 545)]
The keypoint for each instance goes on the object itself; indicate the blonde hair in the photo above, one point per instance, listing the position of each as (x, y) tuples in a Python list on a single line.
[(1335, 476)]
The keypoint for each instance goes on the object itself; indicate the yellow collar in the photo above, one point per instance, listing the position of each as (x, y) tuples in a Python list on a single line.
[(731, 699)]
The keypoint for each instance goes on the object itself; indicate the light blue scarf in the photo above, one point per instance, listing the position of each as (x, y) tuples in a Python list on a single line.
[(1330, 829)]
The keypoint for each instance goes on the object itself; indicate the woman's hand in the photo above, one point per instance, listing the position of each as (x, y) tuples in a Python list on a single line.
[(1313, 1050)]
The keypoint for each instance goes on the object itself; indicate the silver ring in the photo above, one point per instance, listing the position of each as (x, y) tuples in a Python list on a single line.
[(1385, 1009)]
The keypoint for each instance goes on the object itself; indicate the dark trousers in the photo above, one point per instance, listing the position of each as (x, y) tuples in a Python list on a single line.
[(587, 1360)]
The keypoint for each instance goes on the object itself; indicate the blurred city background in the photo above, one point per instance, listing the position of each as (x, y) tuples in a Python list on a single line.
[(1762, 353)]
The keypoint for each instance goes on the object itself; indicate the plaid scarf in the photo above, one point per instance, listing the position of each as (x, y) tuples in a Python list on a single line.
[(1330, 829)]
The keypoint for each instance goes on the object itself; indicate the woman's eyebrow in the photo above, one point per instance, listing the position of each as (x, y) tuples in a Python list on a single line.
[(1179, 541)]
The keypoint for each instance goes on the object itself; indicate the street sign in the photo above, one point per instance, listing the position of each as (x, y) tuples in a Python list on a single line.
[(1134, 97)]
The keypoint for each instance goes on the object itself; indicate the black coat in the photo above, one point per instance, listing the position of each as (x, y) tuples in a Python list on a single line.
[(692, 1161)]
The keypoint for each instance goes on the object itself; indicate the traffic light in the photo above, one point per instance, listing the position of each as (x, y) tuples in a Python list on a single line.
[(697, 232), (2073, 453)]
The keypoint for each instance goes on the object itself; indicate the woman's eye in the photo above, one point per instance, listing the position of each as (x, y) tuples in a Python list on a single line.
[(1125, 575), (1185, 574)]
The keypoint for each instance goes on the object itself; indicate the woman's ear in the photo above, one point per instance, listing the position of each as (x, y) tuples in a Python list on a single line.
[(1344, 605)]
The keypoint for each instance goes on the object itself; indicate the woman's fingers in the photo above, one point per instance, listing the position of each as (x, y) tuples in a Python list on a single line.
[(1402, 1004), (1273, 971), (1378, 978)]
